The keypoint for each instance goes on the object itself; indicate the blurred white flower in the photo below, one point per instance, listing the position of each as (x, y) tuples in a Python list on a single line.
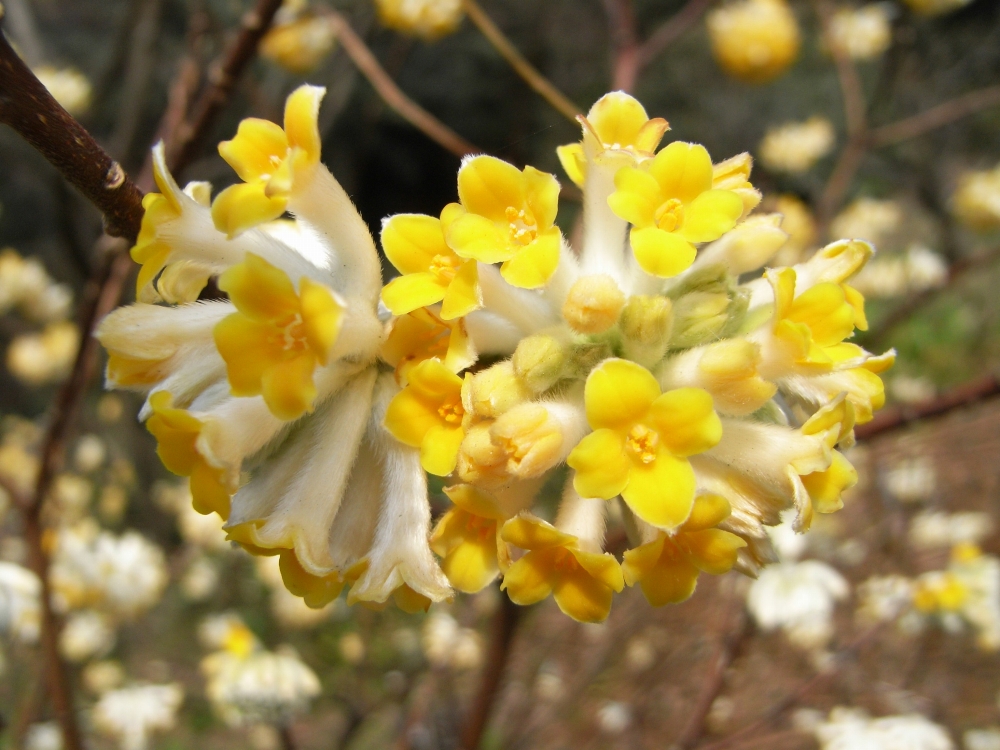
[(225, 631), (44, 357), (26, 285), (911, 480), (976, 200), (130, 715), (798, 597), (43, 736), (981, 739), (86, 634), (447, 644), (853, 729), (796, 146), (89, 454), (967, 592), (787, 542), (20, 609), (549, 684), (614, 717), (862, 33), (867, 219), (72, 494), (101, 676), (200, 579), (884, 598), (916, 270), (352, 648), (68, 86), (937, 529), (910, 389)]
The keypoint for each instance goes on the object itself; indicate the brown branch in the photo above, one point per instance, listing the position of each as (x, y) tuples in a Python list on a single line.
[(896, 417), (671, 30), (621, 16), (28, 108), (504, 626), (286, 737), (539, 83), (876, 337), (715, 681), (222, 78), (392, 95), (936, 117)]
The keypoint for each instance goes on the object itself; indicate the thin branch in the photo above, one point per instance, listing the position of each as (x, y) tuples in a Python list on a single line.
[(504, 626), (286, 737), (539, 83), (621, 16), (896, 417), (28, 108), (671, 30), (936, 117), (839, 182), (391, 94)]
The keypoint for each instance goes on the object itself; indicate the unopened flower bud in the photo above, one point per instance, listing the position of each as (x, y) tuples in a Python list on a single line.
[(646, 324), (697, 317), (480, 461), (539, 361), (495, 390), (535, 437), (593, 304), (747, 247)]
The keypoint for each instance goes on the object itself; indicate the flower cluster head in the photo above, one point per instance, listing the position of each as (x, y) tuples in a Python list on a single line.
[(426, 19), (797, 146), (754, 41), (861, 33), (309, 407)]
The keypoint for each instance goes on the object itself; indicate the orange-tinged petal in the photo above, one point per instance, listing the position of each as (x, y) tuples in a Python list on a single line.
[(636, 197), (208, 494), (488, 186), (826, 487), (260, 291), (175, 431), (708, 511), (472, 565), (243, 206), (686, 421), (581, 596), (661, 253), (153, 258), (248, 349), (532, 533), (711, 215), (257, 150), (474, 501), (573, 162), (617, 119), (528, 580), (650, 134), (434, 381), (288, 387), (533, 266), (409, 417), (474, 236), (618, 394), (316, 591), (713, 550), (322, 317), (639, 561), (439, 449), (683, 170), (670, 582), (301, 126), (661, 492), (602, 468), (603, 567), (411, 241), (405, 294), (463, 294), (541, 193)]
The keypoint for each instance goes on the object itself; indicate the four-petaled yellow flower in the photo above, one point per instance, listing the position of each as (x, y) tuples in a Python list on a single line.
[(421, 335), (672, 206), (427, 414), (582, 582), (467, 538), (641, 442), (616, 122), (816, 322), (266, 158), (176, 432), (432, 272), (272, 345), (667, 568), (507, 217)]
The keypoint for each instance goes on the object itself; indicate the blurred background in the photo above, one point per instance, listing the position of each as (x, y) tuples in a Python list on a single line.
[(878, 121)]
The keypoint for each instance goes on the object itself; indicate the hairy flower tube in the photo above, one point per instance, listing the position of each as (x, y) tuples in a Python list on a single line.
[(309, 406)]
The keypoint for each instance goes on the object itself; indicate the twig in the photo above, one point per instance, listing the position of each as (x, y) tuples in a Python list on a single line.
[(408, 109), (670, 30), (896, 417), (936, 117), (956, 272), (715, 681), (625, 69), (504, 626), (222, 77), (539, 83), (28, 108), (286, 737)]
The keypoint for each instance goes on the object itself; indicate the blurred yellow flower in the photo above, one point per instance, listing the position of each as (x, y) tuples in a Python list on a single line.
[(300, 45), (976, 200), (754, 40), (797, 146), (427, 19)]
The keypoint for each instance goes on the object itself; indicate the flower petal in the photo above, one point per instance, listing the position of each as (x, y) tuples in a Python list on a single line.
[(710, 215), (260, 291), (684, 170), (686, 421), (488, 186), (322, 317), (531, 533), (573, 161), (639, 561), (407, 293), (670, 582), (661, 253), (472, 565), (248, 350), (474, 501), (439, 449), (411, 241), (527, 580), (582, 597), (661, 492), (463, 294), (288, 387), (636, 197), (602, 469), (250, 153), (301, 126), (474, 236), (714, 550), (533, 266), (618, 394), (243, 206), (603, 567), (541, 193)]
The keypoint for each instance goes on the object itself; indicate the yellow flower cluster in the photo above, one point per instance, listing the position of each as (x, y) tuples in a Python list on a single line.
[(636, 362)]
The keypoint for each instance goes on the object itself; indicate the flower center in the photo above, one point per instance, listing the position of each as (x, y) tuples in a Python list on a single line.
[(482, 528), (564, 560), (293, 335), (444, 267), (451, 411), (521, 225), (669, 215), (642, 443)]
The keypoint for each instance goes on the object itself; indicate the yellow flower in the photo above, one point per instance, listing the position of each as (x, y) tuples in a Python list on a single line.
[(432, 272), (507, 218), (427, 19), (754, 40), (672, 206), (316, 591), (267, 158), (300, 45), (667, 568), (176, 432), (583, 583), (467, 538), (617, 122), (422, 335), (641, 442), (976, 201), (151, 251), (427, 414), (272, 345)]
